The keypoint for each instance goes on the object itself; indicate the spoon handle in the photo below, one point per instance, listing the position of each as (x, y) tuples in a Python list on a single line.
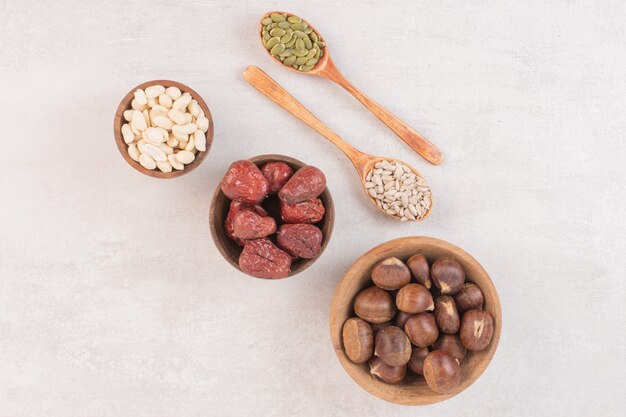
[(420, 144), (270, 88)]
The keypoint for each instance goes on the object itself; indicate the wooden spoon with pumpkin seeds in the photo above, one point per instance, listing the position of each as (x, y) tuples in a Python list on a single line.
[(365, 164), (294, 43)]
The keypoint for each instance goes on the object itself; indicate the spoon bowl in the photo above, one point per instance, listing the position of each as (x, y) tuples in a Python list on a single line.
[(326, 68), (321, 65), (362, 162), (365, 168)]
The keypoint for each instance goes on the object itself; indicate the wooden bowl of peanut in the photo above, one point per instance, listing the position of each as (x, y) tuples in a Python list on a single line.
[(163, 129)]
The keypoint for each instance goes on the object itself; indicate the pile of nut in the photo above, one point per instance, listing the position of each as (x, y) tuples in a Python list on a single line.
[(290, 40), (398, 191), (166, 128), (279, 230), (428, 329)]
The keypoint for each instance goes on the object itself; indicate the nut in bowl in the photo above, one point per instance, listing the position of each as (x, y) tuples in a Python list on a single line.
[(163, 129), (271, 216), (430, 338)]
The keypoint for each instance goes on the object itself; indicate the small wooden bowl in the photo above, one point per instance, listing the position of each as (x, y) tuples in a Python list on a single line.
[(220, 205), (125, 104), (413, 390)]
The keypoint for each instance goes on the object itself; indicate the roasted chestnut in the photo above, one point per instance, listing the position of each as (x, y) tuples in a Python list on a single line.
[(389, 374), (358, 340), (416, 363), (422, 329), (414, 298), (450, 343), (391, 274), (469, 297), (448, 275), (442, 372), (446, 314), (374, 305), (418, 264), (476, 329), (392, 346)]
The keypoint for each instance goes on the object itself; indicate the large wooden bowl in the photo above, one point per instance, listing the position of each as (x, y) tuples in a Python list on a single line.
[(125, 104), (220, 205), (412, 391)]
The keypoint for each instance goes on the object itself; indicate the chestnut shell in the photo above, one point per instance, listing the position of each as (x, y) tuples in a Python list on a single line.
[(422, 329), (442, 372), (447, 275), (374, 305), (390, 374), (358, 340), (392, 346), (418, 264), (414, 298), (391, 274)]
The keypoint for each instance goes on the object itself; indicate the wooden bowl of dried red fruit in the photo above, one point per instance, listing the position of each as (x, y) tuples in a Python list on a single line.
[(271, 216)]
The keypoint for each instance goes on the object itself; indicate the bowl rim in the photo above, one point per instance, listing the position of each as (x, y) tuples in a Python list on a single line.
[(123, 148), (398, 394), (329, 216)]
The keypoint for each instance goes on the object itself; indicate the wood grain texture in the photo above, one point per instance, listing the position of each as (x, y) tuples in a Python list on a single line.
[(362, 162), (220, 205), (125, 104), (326, 68), (414, 390)]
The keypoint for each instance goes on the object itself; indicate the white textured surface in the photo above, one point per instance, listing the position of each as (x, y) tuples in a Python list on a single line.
[(114, 301)]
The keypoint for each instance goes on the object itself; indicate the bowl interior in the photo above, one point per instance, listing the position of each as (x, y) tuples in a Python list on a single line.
[(414, 390), (220, 205), (125, 104)]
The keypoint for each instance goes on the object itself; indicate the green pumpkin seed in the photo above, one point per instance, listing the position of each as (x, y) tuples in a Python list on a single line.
[(314, 37), (287, 52), (294, 66), (299, 26), (277, 49), (300, 60), (294, 19), (277, 17), (304, 68), (303, 53), (286, 37), (307, 42), (283, 25), (320, 44), (291, 43), (266, 21), (308, 31), (318, 52), (311, 62), (311, 54), (266, 36), (299, 34), (277, 32), (300, 45), (290, 60), (272, 42)]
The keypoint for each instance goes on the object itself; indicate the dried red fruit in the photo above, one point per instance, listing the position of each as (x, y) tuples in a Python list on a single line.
[(310, 211), (245, 182), (302, 240), (277, 173), (262, 259), (235, 208), (248, 224), (307, 183)]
